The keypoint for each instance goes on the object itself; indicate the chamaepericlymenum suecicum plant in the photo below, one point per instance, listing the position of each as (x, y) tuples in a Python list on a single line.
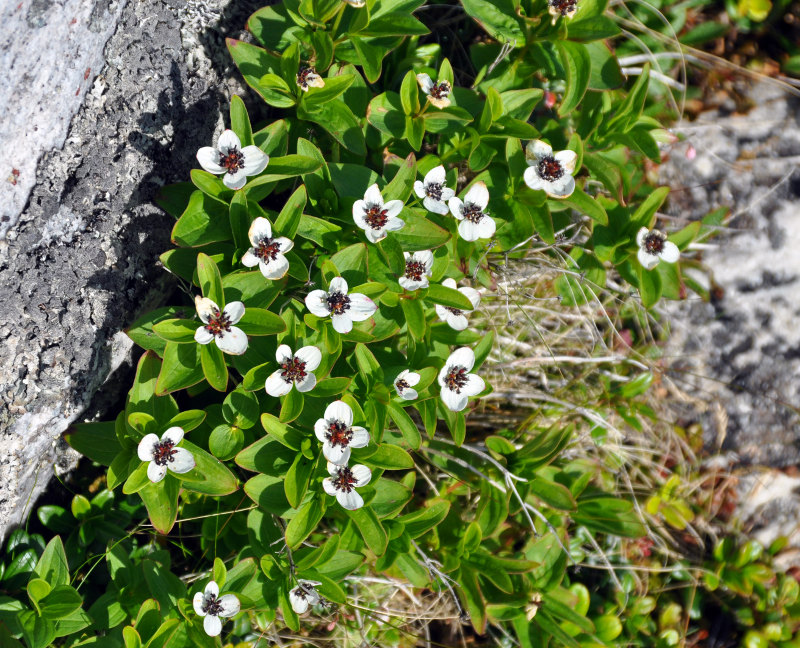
[(299, 425)]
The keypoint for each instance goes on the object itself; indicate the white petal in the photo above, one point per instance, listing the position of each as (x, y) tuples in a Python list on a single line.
[(249, 259), (641, 236), (648, 261), (205, 308), (234, 310), (532, 178), (284, 244), (316, 303), (561, 188), (360, 438), (419, 189), (208, 157), (375, 235), (227, 141), (311, 355), (320, 428), (174, 434), (233, 341), (333, 469), (450, 283), (351, 501), (568, 159), (339, 411), (486, 227), (463, 357), (259, 230), (456, 205), (362, 475), (537, 149), (255, 160), (235, 180), (473, 295), (197, 602), (456, 322), (212, 625), (454, 402), (182, 461), (211, 588), (359, 209), (338, 284), (425, 82), (283, 353), (425, 257), (441, 102), (468, 230), (276, 268), (409, 394), (276, 386), (372, 196), (435, 206), (299, 602), (361, 307), (474, 386), (315, 80), (342, 323), (670, 253), (412, 378), (336, 454), (328, 487), (437, 175), (447, 194), (409, 284), (394, 224), (145, 449), (155, 473), (230, 605), (478, 195), (393, 208), (306, 384), (202, 335)]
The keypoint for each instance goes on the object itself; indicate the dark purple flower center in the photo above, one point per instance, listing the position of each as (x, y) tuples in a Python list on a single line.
[(300, 593), (293, 370), (654, 243), (338, 303), (218, 324), (345, 480), (302, 76), (549, 168), (415, 270), (338, 434), (440, 90), (471, 212), (456, 378), (376, 216), (563, 6), (162, 452), (211, 605), (454, 311), (401, 385), (233, 161), (267, 249), (434, 190)]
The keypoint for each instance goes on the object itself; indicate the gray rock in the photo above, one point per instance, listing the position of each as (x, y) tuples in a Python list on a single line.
[(82, 237)]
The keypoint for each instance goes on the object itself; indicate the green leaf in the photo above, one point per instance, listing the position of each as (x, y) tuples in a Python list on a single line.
[(240, 121), (297, 478), (606, 73), (370, 57), (291, 406), (180, 331), (645, 214), (385, 112), (415, 131), (289, 219), (351, 262), (390, 457), (556, 495), (497, 17), (53, 566), (241, 409), (98, 441), (423, 520), (402, 184), (586, 205), (330, 387), (304, 523), (334, 86), (240, 220), (209, 476), (180, 369), (204, 221), (445, 296), (368, 365), (649, 286), (415, 317), (60, 603), (337, 118), (210, 279), (210, 184), (370, 528), (259, 321), (281, 168), (409, 94), (576, 61), (137, 479), (281, 432), (405, 424), (472, 597), (225, 441), (214, 368), (161, 501)]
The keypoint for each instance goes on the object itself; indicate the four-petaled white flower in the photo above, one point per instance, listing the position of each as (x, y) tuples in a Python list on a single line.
[(438, 93), (163, 453), (338, 434), (404, 384), (219, 326), (343, 481), (267, 253), (308, 77), (654, 247), (548, 171), (456, 382), (474, 223), (343, 309), (455, 317), (433, 192), (231, 159), (295, 369), (212, 606), (566, 8), (418, 269), (375, 217), (304, 595)]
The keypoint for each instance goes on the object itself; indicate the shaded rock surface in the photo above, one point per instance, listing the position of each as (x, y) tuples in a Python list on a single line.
[(109, 101)]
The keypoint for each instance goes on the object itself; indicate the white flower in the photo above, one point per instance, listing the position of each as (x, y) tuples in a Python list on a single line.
[(308, 77), (438, 93), (212, 606), (303, 596), (456, 383), (404, 384), (566, 8), (418, 269), (338, 434), (218, 326), (343, 482), (433, 192), (295, 369), (653, 247), (163, 454), (231, 159), (474, 223), (375, 217), (343, 309), (453, 316), (267, 253), (548, 171)]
